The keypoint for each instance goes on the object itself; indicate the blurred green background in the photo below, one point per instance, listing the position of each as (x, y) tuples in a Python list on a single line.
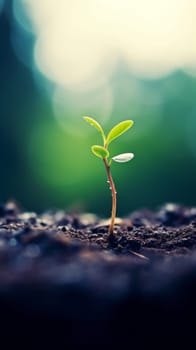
[(45, 145)]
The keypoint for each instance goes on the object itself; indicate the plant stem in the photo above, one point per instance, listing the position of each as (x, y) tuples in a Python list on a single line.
[(113, 190)]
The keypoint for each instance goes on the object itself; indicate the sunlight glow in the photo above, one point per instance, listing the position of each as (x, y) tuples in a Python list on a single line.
[(92, 102), (80, 40)]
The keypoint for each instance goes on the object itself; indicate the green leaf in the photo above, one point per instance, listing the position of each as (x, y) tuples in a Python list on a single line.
[(118, 130), (94, 123), (100, 151), (123, 158)]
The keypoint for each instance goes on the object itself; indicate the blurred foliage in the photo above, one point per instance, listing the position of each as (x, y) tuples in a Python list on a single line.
[(46, 165)]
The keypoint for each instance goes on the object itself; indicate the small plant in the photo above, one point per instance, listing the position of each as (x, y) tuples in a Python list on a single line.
[(103, 153)]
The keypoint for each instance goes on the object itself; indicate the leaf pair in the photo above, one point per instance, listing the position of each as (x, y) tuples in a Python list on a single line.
[(102, 152), (116, 131)]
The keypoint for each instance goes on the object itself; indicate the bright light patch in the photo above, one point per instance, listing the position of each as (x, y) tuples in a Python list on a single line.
[(80, 40), (93, 102)]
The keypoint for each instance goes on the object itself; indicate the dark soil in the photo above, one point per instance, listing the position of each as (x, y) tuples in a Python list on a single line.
[(64, 283)]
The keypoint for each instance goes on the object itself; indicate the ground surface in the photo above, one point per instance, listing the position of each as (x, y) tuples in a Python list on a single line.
[(66, 282)]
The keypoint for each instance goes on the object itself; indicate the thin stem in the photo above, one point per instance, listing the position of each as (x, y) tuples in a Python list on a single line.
[(113, 190)]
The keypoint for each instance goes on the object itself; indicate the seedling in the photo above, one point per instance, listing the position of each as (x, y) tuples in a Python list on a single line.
[(103, 153)]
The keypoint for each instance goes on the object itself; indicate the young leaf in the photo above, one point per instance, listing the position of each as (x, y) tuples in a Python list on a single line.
[(123, 158), (118, 130), (100, 151), (94, 123)]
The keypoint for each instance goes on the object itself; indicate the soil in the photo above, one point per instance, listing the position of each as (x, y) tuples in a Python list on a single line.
[(65, 284)]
